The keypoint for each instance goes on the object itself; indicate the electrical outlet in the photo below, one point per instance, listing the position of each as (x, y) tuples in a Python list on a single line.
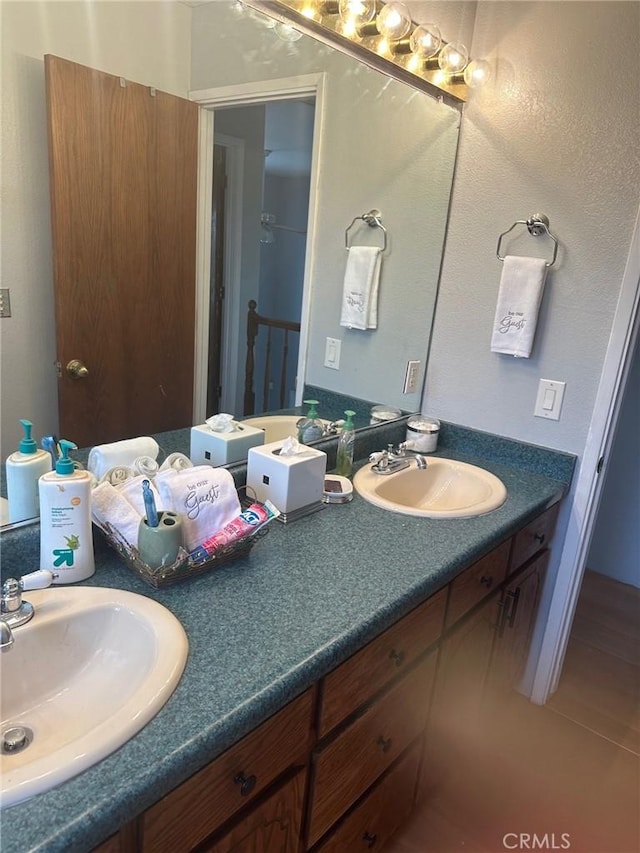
[(5, 302), (332, 353), (411, 377)]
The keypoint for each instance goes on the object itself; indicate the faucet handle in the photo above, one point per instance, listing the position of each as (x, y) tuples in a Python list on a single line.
[(12, 589), (37, 580)]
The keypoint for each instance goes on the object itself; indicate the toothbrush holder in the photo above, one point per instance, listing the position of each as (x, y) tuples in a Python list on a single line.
[(159, 546)]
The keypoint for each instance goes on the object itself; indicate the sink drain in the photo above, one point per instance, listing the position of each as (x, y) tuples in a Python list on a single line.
[(15, 739)]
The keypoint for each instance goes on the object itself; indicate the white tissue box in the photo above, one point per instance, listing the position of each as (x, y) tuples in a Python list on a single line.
[(222, 448), (289, 482)]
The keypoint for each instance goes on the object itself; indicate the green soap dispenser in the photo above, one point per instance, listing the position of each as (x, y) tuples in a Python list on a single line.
[(346, 443), (23, 470), (310, 428)]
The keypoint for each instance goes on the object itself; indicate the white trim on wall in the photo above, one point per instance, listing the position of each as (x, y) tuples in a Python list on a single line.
[(584, 508)]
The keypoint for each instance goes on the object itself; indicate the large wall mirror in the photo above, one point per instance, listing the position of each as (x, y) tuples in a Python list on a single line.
[(370, 142)]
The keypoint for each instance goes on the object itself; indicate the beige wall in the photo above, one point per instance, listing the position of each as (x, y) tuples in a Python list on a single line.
[(148, 42)]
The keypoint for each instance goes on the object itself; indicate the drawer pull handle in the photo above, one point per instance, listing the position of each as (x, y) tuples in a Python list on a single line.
[(384, 743), (247, 783), (539, 537), (370, 839), (398, 657), (486, 580)]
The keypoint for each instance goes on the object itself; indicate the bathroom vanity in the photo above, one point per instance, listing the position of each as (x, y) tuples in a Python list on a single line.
[(328, 674)]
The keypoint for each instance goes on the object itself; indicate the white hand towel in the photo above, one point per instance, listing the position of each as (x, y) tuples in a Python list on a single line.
[(205, 497), (519, 298), (106, 456), (109, 506), (360, 289), (132, 490)]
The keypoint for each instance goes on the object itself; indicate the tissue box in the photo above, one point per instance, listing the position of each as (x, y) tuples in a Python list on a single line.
[(289, 482), (223, 448)]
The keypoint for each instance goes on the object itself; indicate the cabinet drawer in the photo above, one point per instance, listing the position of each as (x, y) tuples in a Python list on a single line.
[(366, 672), (532, 538), (477, 582), (346, 767), (381, 813), (273, 826), (200, 805)]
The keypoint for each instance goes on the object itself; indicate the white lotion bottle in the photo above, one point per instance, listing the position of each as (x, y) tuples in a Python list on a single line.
[(24, 468), (66, 539)]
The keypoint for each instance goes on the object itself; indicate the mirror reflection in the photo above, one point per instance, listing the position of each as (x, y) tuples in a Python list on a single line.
[(372, 143)]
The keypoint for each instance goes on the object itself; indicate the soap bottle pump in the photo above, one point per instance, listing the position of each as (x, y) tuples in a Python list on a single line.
[(66, 541), (346, 443), (310, 428), (24, 468)]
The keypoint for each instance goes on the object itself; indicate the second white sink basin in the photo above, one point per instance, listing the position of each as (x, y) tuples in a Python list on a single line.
[(277, 427), (89, 670), (444, 489)]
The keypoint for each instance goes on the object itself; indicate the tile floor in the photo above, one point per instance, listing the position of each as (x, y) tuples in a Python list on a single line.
[(561, 777)]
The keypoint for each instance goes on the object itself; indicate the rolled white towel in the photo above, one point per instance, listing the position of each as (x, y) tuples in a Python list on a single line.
[(205, 497), (147, 466), (177, 461), (108, 505), (106, 456), (118, 474)]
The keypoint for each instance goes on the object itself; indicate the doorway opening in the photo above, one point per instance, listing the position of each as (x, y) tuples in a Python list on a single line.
[(260, 197)]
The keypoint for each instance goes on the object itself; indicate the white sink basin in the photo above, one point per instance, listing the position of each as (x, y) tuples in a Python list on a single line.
[(277, 427), (444, 489), (89, 670)]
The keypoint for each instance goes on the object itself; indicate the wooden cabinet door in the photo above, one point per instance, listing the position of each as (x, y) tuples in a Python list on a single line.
[(381, 813), (273, 826), (520, 601), (347, 766), (198, 807), (365, 673), (456, 715)]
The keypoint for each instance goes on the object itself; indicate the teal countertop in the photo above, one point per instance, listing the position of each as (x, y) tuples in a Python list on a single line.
[(263, 629)]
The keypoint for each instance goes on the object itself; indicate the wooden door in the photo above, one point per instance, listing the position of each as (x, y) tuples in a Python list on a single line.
[(123, 164)]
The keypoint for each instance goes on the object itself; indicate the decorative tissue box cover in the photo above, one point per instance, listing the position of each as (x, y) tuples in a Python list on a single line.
[(289, 482), (223, 448)]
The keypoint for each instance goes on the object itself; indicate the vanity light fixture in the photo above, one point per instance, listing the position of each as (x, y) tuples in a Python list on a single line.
[(383, 36)]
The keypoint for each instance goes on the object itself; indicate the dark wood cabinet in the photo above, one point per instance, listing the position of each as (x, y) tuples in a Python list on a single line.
[(339, 768)]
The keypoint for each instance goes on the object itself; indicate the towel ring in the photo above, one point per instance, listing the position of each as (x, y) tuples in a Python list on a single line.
[(373, 220), (537, 224)]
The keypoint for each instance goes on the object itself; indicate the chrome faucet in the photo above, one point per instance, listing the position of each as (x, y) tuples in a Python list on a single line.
[(392, 459), (14, 610)]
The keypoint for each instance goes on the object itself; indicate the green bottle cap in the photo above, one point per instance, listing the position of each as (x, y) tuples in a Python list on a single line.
[(27, 444), (64, 465), (349, 422)]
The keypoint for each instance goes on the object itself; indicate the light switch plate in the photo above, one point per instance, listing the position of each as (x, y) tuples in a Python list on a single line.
[(549, 399), (332, 353), (5, 302), (411, 377)]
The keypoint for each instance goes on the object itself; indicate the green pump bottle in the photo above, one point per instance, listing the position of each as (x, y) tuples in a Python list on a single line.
[(346, 443)]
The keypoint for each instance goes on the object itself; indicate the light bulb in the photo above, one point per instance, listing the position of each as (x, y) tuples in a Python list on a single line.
[(453, 58), (425, 41), (477, 72), (393, 21), (357, 12)]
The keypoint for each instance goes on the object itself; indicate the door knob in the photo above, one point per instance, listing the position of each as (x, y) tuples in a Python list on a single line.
[(76, 369)]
